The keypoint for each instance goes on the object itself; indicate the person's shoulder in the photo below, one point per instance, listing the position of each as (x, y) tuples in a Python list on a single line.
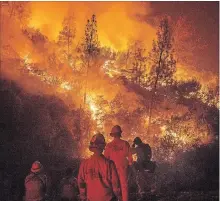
[(85, 161), (109, 144), (146, 145), (30, 175), (125, 142), (43, 176)]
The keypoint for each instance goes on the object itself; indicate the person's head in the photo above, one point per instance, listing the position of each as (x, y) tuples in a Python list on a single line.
[(36, 167), (97, 143), (116, 131), (137, 141)]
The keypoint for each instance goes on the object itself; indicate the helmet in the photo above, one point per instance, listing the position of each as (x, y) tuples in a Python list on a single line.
[(97, 141), (36, 167), (116, 131), (137, 140)]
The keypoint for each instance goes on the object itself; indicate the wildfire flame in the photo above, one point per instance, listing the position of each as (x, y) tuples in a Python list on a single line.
[(110, 71), (97, 113), (65, 85), (110, 36)]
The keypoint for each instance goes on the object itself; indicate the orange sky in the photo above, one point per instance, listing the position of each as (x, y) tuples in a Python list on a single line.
[(121, 22), (117, 22)]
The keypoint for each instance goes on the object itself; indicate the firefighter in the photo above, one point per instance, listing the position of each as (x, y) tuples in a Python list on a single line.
[(68, 186), (144, 155), (119, 151), (143, 167), (98, 179), (37, 184)]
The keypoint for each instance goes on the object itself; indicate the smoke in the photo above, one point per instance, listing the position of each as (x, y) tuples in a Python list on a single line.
[(118, 22), (186, 72)]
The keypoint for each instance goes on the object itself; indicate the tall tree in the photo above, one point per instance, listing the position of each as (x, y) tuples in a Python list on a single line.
[(19, 10), (163, 64), (66, 36), (135, 63), (90, 47), (138, 63)]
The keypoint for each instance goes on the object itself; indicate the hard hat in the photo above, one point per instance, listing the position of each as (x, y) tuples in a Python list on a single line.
[(97, 141), (137, 140), (36, 167), (116, 130)]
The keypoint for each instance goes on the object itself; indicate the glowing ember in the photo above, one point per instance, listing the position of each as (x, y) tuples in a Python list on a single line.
[(27, 59), (163, 128), (66, 86), (110, 68)]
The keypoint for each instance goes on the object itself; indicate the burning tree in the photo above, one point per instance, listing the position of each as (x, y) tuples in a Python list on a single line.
[(135, 63), (163, 64), (90, 47), (109, 105), (20, 11), (66, 37)]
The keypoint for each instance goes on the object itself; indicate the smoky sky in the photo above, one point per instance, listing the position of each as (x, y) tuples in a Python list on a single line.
[(116, 23), (205, 18), (120, 23)]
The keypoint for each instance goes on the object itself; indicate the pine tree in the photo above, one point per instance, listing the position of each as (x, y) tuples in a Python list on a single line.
[(163, 64), (20, 11), (90, 47), (135, 63), (67, 35), (138, 64), (90, 43)]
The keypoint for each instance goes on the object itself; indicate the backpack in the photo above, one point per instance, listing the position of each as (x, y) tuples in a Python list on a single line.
[(147, 151), (144, 152)]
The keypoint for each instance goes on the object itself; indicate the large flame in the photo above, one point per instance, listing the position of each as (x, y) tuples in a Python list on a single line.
[(119, 24)]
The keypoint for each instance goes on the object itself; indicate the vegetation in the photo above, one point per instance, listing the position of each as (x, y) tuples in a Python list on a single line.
[(56, 94)]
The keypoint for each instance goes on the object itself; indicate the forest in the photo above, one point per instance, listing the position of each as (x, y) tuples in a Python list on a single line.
[(57, 92)]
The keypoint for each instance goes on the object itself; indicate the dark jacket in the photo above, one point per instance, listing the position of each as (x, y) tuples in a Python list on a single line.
[(37, 186), (69, 188), (143, 152)]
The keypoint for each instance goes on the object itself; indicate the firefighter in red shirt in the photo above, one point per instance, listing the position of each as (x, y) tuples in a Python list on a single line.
[(98, 179), (119, 151)]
